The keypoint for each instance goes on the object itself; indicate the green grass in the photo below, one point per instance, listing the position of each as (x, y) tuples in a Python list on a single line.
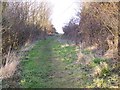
[(98, 60), (67, 54), (37, 70)]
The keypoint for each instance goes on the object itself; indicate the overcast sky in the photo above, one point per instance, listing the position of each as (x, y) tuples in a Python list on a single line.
[(63, 10)]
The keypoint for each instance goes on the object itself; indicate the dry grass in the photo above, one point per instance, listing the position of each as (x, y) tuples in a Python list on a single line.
[(10, 67), (12, 60), (93, 47)]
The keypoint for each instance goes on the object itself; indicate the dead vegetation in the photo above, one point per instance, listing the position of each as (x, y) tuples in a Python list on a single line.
[(98, 25), (8, 67)]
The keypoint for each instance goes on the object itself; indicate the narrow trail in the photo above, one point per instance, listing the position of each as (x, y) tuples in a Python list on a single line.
[(53, 63), (50, 62)]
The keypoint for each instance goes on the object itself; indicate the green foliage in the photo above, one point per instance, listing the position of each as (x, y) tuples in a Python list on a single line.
[(98, 60), (105, 72), (68, 55)]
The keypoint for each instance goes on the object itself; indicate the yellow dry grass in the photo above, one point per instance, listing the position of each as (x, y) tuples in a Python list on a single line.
[(10, 67)]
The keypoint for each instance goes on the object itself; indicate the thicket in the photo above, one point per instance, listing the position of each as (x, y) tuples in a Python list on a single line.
[(24, 22), (98, 25)]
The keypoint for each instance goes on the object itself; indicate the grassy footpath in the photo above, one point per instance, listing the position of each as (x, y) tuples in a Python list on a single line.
[(44, 64), (51, 64), (37, 66)]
